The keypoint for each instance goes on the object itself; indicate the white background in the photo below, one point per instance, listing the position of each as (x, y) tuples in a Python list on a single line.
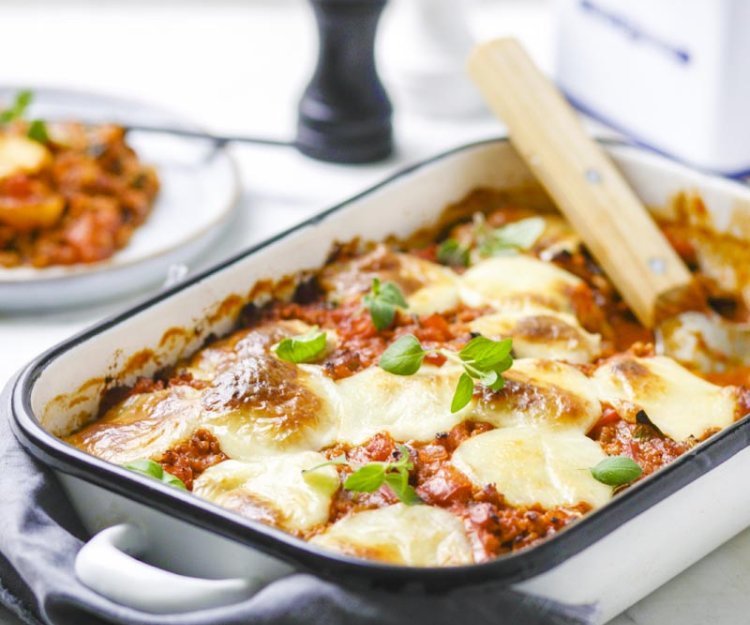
[(240, 66)]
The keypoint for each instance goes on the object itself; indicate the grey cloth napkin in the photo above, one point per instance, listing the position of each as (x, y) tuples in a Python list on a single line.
[(40, 535)]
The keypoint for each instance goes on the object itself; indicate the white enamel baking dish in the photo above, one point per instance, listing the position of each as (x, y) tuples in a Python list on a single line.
[(210, 556)]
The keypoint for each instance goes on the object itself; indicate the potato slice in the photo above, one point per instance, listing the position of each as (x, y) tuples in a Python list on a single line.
[(32, 212), (21, 155)]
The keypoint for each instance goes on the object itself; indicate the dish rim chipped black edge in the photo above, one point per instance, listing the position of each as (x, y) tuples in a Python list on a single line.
[(506, 570)]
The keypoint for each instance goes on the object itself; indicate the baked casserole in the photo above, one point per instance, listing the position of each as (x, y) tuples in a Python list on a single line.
[(441, 400)]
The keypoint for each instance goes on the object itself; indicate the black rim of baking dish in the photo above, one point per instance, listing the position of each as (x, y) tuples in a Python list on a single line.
[(506, 569)]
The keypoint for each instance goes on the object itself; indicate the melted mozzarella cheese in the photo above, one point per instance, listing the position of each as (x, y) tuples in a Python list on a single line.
[(539, 392), (414, 407), (263, 405), (541, 333), (558, 236), (439, 286), (535, 465), (273, 489), (142, 426), (399, 534), (679, 403), (223, 354), (427, 286), (518, 280)]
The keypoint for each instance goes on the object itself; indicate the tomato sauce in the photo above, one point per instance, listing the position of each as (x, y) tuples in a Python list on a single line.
[(494, 526), (189, 459)]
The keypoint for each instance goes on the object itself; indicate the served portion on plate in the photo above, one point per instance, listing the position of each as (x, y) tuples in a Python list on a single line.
[(89, 211), (69, 192), (441, 400)]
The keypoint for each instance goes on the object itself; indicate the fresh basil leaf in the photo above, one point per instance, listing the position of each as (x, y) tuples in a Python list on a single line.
[(382, 301), (489, 378), (18, 108), (367, 479), (154, 470), (398, 482), (518, 235), (38, 131), (305, 348), (173, 480), (337, 461), (617, 471), (395, 474), (146, 467), (390, 293), (498, 384), (382, 313), (397, 479), (485, 353), (450, 252), (464, 392), (403, 357)]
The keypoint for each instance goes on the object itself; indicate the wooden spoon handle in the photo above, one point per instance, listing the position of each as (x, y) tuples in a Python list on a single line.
[(580, 178)]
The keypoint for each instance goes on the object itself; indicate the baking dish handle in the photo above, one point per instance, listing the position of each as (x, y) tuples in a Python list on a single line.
[(106, 564)]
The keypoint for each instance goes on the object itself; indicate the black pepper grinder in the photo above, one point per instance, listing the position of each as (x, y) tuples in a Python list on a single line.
[(345, 113)]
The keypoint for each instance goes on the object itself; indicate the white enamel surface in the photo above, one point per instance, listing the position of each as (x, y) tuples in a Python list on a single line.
[(106, 565), (172, 544), (198, 190), (399, 208), (668, 538)]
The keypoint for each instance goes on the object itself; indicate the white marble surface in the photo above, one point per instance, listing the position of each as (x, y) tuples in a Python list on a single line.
[(239, 66)]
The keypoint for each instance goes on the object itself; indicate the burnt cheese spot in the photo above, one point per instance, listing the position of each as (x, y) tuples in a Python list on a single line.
[(265, 389)]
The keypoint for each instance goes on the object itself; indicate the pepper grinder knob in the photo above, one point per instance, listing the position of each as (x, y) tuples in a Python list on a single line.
[(345, 113)]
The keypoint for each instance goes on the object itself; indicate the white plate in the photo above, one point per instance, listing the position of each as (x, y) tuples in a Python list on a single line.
[(199, 190)]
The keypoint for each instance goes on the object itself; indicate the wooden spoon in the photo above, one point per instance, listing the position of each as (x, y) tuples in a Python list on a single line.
[(612, 221)]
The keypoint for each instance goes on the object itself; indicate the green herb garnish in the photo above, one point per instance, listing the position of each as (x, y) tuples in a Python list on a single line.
[(450, 252), (617, 471), (483, 360), (404, 356), (370, 477), (395, 475), (18, 109), (38, 131), (515, 236), (464, 392), (382, 301), (154, 470), (37, 128), (304, 348)]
